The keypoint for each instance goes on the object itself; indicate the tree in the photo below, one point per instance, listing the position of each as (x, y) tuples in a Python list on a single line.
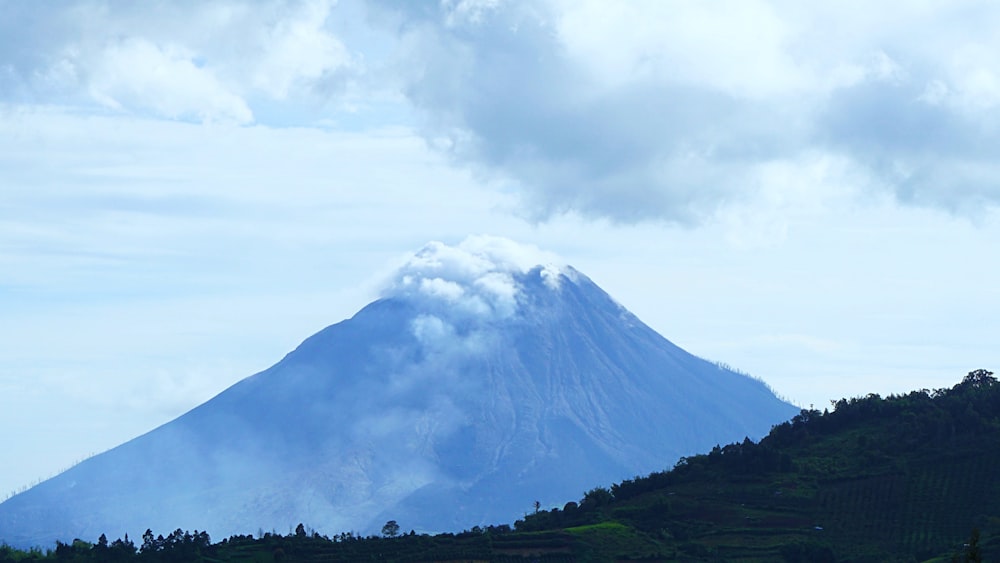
[(979, 378), (121, 550), (101, 549), (596, 498), (148, 542), (391, 529), (972, 551)]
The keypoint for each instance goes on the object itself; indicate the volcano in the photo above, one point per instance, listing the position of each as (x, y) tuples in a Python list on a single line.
[(486, 378)]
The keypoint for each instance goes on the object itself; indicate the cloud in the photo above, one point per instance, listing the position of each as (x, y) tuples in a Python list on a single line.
[(299, 52), (136, 73), (464, 295), (637, 111), (476, 279), (674, 111), (179, 60)]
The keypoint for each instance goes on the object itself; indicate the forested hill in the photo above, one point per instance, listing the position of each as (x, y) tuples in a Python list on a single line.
[(901, 478), (904, 478)]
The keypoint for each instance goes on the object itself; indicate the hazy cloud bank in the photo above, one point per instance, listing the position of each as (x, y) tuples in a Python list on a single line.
[(634, 111), (673, 110)]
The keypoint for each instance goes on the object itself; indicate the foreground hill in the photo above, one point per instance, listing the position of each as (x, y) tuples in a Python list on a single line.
[(906, 478), (483, 380)]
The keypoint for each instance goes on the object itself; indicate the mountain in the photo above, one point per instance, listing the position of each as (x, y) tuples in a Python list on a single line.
[(485, 379)]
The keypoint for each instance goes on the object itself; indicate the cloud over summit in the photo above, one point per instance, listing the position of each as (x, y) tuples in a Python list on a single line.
[(477, 278)]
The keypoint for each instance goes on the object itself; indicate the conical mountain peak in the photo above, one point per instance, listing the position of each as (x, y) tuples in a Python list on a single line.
[(488, 376)]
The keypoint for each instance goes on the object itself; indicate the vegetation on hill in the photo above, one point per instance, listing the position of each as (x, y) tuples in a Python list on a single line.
[(904, 478)]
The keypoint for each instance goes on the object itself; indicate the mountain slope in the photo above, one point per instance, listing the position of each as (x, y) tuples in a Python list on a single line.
[(459, 398)]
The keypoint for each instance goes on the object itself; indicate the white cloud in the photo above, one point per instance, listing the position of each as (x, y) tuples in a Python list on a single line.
[(203, 62), (667, 111), (477, 278), (445, 289), (627, 111), (137, 73), (298, 51), (737, 47)]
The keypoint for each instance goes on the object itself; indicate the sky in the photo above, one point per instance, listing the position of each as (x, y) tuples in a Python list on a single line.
[(807, 192)]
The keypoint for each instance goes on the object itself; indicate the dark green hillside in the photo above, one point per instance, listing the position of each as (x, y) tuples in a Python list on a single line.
[(904, 478)]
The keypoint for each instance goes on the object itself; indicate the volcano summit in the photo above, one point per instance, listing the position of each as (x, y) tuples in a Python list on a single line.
[(484, 379)]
